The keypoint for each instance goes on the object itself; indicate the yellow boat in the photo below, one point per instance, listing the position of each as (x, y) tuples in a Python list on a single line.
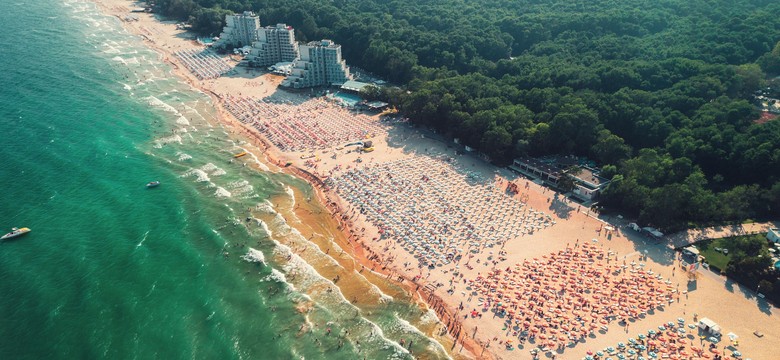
[(240, 154)]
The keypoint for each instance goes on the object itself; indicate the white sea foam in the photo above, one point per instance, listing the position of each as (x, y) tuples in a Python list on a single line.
[(383, 298), (265, 207), (278, 276), (200, 175), (153, 101), (406, 327), (167, 140), (429, 317), (280, 224), (237, 184), (245, 190), (259, 163), (264, 226), (222, 193), (212, 170), (182, 121), (182, 156), (291, 194), (254, 255)]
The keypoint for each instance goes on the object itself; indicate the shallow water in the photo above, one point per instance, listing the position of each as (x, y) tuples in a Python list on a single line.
[(112, 269)]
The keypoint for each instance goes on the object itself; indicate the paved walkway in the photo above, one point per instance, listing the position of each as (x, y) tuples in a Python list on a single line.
[(688, 237)]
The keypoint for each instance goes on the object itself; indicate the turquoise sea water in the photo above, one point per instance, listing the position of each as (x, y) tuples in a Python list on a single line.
[(88, 116)]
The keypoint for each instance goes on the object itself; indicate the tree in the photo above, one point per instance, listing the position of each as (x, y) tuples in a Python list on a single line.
[(770, 62), (568, 180), (749, 79), (610, 148)]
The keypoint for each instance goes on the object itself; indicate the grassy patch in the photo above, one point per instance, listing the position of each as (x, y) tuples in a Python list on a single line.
[(712, 256)]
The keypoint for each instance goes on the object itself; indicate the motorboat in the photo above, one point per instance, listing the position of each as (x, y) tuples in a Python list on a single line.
[(153, 184), (15, 232)]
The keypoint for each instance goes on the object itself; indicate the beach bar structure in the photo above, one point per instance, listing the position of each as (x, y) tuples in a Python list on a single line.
[(275, 44), (320, 64), (548, 173), (354, 86), (588, 184), (240, 30)]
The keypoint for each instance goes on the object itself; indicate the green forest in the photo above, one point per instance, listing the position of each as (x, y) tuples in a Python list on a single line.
[(658, 93)]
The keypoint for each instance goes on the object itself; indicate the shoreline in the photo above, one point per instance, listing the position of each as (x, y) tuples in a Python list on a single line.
[(365, 251), (275, 160)]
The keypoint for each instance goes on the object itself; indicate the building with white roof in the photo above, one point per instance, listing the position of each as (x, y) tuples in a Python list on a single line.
[(275, 44), (240, 30), (320, 64)]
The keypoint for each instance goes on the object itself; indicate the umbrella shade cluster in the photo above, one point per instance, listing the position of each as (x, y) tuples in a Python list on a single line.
[(311, 124), (575, 291), (204, 64), (435, 210), (669, 343)]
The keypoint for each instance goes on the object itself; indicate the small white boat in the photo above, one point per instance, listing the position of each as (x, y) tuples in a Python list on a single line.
[(15, 232), (153, 184)]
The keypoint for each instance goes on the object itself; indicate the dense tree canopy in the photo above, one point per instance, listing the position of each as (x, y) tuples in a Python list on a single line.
[(658, 92)]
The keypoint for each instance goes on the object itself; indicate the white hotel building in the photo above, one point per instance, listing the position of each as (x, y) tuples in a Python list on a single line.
[(240, 30), (320, 64), (275, 44)]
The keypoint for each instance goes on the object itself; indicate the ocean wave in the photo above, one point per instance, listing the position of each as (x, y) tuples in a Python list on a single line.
[(254, 256), (280, 224), (158, 144), (200, 175), (182, 156), (278, 276), (291, 194), (264, 226), (383, 298), (222, 193), (153, 101), (265, 207), (182, 121), (212, 170), (429, 317), (237, 184)]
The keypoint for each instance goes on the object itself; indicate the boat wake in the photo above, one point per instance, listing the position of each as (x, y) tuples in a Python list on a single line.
[(144, 239)]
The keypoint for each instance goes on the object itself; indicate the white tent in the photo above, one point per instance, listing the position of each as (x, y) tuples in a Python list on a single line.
[(710, 326)]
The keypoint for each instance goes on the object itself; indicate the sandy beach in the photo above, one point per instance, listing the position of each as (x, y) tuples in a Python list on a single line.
[(437, 221)]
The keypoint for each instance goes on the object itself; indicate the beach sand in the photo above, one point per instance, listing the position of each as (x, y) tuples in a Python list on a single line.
[(735, 309)]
